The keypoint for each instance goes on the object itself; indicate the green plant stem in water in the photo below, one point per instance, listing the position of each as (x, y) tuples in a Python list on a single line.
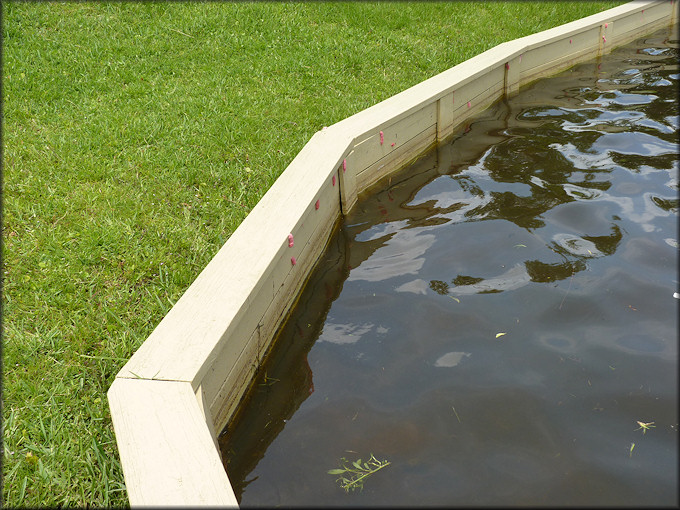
[(370, 467)]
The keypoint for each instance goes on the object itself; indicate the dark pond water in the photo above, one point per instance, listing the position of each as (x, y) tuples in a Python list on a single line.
[(498, 319)]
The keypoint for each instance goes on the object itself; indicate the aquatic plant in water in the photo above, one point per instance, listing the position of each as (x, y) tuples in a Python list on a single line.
[(353, 476), (645, 426)]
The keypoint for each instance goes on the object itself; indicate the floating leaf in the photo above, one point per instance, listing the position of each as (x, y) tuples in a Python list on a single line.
[(498, 335), (520, 246), (455, 299)]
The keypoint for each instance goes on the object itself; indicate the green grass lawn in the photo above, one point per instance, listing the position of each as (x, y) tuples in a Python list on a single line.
[(136, 138)]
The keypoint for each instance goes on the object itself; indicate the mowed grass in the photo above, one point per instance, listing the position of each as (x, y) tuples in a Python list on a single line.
[(136, 138)]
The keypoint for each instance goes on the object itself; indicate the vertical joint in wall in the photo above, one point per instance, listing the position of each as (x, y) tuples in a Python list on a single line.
[(599, 41), (604, 44), (437, 131), (511, 78), (444, 126), (346, 173), (207, 416), (338, 176)]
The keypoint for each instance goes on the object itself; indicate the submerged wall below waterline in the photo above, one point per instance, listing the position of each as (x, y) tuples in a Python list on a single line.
[(186, 380)]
